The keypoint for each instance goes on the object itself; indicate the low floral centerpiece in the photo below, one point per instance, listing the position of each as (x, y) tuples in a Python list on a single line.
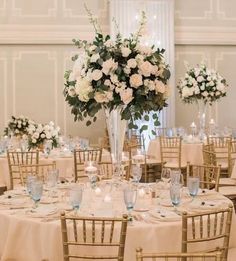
[(119, 75), (38, 134), (17, 126), (203, 86), (201, 83)]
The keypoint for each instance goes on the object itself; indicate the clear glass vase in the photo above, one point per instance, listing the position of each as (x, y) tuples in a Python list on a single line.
[(202, 109), (116, 131)]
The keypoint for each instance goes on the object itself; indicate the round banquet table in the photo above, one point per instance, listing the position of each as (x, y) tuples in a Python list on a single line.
[(34, 234), (191, 152), (64, 163)]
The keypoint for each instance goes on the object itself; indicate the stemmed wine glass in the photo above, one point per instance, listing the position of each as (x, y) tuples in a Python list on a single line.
[(193, 186), (130, 195), (29, 180), (166, 175), (76, 194), (36, 191), (176, 177), (175, 194)]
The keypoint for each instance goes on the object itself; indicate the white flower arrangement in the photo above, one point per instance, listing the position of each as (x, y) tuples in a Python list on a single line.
[(108, 74), (17, 126), (38, 134), (201, 83)]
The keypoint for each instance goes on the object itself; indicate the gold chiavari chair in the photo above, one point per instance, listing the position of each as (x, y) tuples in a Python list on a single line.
[(170, 149), (17, 158), (106, 170), (93, 233), (209, 175), (209, 155), (140, 256), (39, 170), (81, 156), (222, 147), (208, 227)]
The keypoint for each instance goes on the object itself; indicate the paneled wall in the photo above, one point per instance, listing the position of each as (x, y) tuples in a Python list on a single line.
[(205, 30), (35, 50)]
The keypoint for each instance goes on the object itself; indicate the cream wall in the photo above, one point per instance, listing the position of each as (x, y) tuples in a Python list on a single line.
[(35, 50), (206, 30)]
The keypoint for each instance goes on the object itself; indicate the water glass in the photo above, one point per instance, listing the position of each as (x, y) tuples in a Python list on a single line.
[(52, 177), (47, 148), (165, 175), (36, 191), (176, 177), (193, 186), (130, 195), (29, 180), (91, 170), (76, 194), (136, 173), (175, 194)]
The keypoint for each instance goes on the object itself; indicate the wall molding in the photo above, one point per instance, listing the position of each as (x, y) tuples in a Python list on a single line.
[(205, 35), (48, 34)]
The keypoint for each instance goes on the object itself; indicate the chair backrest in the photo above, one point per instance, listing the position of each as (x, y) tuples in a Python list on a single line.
[(39, 170), (17, 158), (170, 149), (140, 256), (93, 233), (222, 147), (207, 227), (209, 175), (209, 155), (106, 170), (81, 156)]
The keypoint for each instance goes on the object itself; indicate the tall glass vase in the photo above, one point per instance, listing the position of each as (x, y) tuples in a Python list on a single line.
[(116, 131), (202, 109)]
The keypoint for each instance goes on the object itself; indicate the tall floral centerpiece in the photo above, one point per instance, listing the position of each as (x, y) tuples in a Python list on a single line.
[(204, 86), (17, 126), (122, 77)]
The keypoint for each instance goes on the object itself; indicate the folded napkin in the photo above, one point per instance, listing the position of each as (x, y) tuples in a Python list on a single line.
[(43, 211), (19, 191), (13, 201), (165, 215)]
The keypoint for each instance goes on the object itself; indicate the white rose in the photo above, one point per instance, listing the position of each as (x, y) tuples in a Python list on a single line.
[(160, 86), (125, 51), (139, 58), (127, 70), (108, 66), (211, 83), (205, 94), (202, 87), (92, 48), (196, 72), (217, 93), (200, 78), (94, 57), (135, 80), (196, 90), (101, 97), (107, 82), (72, 77), (185, 92), (48, 135), (220, 87), (36, 135), (146, 68), (154, 70), (82, 89), (109, 43), (114, 78), (17, 131), (96, 75), (126, 95), (131, 63), (143, 49), (34, 140), (42, 135), (71, 91)]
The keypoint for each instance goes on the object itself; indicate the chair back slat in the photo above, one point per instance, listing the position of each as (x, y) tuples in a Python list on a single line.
[(81, 156), (96, 227), (140, 256), (208, 227), (17, 158)]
